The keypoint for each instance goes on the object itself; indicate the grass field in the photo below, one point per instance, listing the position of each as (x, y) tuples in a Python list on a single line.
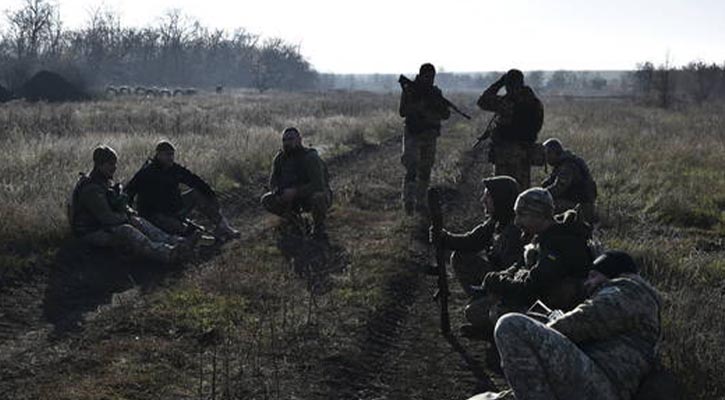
[(255, 322)]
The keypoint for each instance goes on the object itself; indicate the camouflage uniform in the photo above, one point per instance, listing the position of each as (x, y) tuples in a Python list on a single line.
[(571, 183), (96, 221), (513, 133), (423, 110), (602, 349), (304, 170)]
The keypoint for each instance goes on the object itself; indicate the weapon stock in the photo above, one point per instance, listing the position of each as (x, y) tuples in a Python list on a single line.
[(436, 217), (405, 82)]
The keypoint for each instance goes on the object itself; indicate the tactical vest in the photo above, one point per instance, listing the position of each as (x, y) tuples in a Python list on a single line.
[(294, 173), (585, 189)]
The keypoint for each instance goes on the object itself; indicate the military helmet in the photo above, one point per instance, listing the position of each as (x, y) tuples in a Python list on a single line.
[(535, 201), (103, 154)]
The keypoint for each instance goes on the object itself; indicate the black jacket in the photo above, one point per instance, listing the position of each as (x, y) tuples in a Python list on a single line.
[(158, 189)]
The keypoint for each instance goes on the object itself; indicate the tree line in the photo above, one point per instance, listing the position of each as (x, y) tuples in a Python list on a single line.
[(176, 51), (665, 84)]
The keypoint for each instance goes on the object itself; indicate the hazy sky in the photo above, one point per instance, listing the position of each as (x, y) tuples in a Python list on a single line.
[(459, 35)]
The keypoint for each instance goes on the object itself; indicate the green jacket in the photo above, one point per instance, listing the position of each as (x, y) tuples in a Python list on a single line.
[(91, 209), (502, 242), (302, 169), (423, 109), (618, 328)]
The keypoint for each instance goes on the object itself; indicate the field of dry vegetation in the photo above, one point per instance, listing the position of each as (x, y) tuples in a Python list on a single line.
[(262, 319)]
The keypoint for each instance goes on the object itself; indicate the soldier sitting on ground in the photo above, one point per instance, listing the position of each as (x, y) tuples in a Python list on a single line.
[(491, 246), (570, 183), (556, 265), (602, 349), (299, 182), (160, 200), (518, 118), (99, 215)]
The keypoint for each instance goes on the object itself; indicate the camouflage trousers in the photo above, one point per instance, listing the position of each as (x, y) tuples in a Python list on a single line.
[(418, 157), (139, 237), (541, 363), (317, 204), (191, 200), (512, 159)]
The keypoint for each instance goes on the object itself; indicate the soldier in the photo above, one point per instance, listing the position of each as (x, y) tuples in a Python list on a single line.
[(602, 349), (518, 118), (570, 183), (423, 107), (299, 182), (558, 263), (99, 215), (160, 200)]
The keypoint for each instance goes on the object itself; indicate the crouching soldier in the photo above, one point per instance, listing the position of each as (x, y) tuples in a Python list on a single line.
[(155, 187), (556, 265), (99, 215), (602, 349), (491, 246), (299, 182)]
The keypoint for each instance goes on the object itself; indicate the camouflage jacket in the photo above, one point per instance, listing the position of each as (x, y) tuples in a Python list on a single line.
[(571, 180), (302, 169), (91, 208), (519, 116), (561, 263), (618, 328), (423, 109), (502, 242)]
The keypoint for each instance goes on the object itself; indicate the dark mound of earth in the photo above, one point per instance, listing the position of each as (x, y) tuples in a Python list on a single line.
[(49, 86), (5, 95)]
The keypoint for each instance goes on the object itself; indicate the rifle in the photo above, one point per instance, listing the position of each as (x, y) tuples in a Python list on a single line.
[(486, 133), (436, 218), (405, 83)]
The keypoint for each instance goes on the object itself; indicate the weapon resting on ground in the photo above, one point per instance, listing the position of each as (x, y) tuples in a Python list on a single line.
[(405, 83), (436, 217)]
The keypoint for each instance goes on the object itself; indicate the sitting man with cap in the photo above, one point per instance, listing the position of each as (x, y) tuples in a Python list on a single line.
[(493, 245), (160, 200), (557, 260), (570, 183), (602, 349), (100, 216), (299, 182)]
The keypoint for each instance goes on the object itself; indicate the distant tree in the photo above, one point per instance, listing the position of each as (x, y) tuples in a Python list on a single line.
[(562, 79), (598, 83), (535, 79), (644, 78), (664, 83), (704, 79)]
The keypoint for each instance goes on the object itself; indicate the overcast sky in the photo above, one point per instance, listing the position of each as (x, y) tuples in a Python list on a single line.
[(391, 36)]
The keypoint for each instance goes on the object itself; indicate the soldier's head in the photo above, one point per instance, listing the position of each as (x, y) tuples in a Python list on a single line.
[(612, 264), (514, 80), (426, 74), (534, 210), (553, 150), (499, 197), (291, 139), (104, 160), (165, 153)]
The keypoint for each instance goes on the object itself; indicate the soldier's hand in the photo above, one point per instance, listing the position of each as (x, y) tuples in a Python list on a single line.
[(288, 195)]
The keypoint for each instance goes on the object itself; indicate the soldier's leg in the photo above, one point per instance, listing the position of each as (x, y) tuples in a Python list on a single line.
[(470, 269), (168, 223), (523, 167), (427, 151), (409, 159), (154, 232), (207, 206), (541, 363), (318, 205), (132, 239)]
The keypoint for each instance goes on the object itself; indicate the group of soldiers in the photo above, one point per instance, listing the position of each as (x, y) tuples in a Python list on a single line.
[(569, 321), (557, 311)]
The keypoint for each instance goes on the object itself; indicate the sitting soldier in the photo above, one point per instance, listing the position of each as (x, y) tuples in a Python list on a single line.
[(160, 200), (602, 349), (570, 183), (299, 182), (491, 246), (99, 215), (556, 265)]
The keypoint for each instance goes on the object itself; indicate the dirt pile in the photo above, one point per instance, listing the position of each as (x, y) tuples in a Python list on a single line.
[(50, 86), (5, 94)]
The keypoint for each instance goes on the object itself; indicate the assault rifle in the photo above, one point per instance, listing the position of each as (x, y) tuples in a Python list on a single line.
[(436, 219), (406, 83), (487, 132)]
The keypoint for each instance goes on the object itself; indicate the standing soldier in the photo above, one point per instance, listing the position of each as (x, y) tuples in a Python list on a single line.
[(299, 182), (423, 107), (518, 118), (570, 183), (161, 201), (99, 215)]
